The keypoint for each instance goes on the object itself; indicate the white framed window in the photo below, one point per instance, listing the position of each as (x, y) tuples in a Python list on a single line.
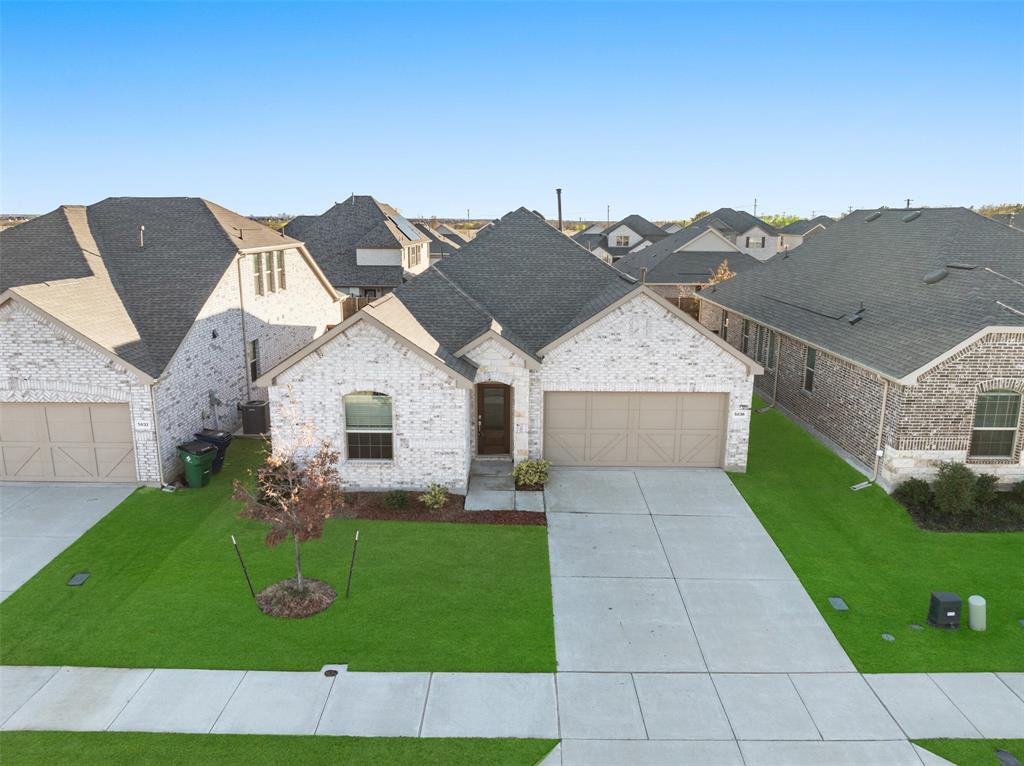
[(769, 363), (621, 240), (745, 337), (755, 242), (369, 292), (252, 358), (279, 257), (810, 365), (257, 273), (759, 344), (723, 328), (268, 272), (368, 426), (996, 423)]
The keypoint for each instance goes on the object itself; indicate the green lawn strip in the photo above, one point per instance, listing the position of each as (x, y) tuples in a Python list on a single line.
[(166, 591), (28, 748), (972, 752), (864, 547)]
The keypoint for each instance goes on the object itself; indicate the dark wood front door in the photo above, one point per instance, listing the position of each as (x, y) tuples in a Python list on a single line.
[(493, 418)]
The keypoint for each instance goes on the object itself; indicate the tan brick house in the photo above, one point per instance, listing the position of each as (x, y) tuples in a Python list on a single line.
[(520, 345), (127, 325), (896, 335)]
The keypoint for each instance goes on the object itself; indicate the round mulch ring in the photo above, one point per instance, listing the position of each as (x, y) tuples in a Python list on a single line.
[(284, 599)]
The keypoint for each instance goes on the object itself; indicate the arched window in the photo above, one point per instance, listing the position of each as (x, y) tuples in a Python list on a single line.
[(996, 421), (368, 426)]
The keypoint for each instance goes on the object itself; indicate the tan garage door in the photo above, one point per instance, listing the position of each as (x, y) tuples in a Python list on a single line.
[(634, 429), (66, 442)]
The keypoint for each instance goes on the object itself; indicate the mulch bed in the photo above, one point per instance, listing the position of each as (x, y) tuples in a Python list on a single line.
[(284, 599), (370, 505), (990, 521), (529, 487)]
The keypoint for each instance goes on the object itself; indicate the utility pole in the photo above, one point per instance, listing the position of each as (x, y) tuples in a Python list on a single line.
[(467, 213), (558, 193), (755, 206), (608, 215), (908, 200)]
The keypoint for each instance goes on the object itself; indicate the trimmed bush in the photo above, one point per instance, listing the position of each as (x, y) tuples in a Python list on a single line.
[(531, 472), (955, 491), (915, 494), (396, 500), (435, 497)]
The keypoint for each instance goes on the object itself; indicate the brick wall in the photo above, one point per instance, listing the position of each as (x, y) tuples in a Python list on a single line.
[(431, 412), (40, 362), (208, 376), (642, 346), (925, 424), (498, 364)]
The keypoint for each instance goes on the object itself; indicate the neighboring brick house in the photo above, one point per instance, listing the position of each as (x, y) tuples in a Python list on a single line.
[(917, 315), (680, 265), (365, 247), (127, 325), (520, 345), (632, 233)]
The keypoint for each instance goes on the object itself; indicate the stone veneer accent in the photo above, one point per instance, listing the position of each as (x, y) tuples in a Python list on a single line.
[(925, 424), (640, 346)]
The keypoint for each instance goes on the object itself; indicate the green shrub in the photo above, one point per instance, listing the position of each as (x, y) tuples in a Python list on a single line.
[(531, 472), (914, 494), (435, 497), (986, 496), (954, 489), (396, 500)]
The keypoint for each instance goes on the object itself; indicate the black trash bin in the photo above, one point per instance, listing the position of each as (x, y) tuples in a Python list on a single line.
[(255, 417), (220, 440), (198, 458)]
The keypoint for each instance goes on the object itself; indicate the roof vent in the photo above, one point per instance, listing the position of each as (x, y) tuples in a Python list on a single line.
[(962, 266), (855, 318), (142, 236), (873, 217), (935, 276), (912, 216)]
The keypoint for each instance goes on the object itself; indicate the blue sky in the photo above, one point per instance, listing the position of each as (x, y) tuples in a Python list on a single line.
[(661, 109)]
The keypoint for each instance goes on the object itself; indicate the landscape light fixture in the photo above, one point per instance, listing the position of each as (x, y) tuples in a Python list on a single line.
[(78, 578), (838, 604)]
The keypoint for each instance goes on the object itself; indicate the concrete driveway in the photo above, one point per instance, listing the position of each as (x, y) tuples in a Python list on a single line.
[(38, 521), (669, 571)]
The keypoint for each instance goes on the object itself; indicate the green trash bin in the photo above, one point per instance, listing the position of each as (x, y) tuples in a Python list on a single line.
[(198, 458)]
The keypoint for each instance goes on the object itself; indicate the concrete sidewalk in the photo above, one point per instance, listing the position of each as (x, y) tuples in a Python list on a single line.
[(649, 717)]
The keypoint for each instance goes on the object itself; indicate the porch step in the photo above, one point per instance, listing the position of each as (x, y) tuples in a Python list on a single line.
[(491, 467)]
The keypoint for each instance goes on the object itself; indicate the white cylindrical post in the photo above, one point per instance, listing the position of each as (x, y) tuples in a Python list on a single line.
[(976, 613)]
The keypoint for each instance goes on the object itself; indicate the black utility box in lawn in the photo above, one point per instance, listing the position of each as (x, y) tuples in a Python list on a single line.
[(198, 458), (220, 440), (944, 610), (255, 417)]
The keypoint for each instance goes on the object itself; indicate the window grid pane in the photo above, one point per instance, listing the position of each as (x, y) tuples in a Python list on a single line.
[(369, 446), (280, 270), (257, 270), (997, 410), (994, 443), (365, 412)]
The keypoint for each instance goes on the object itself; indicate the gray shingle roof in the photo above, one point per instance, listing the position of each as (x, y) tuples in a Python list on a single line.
[(686, 268), (523, 277), (85, 266), (641, 226), (440, 245), (881, 263), (736, 221), (804, 225), (333, 237)]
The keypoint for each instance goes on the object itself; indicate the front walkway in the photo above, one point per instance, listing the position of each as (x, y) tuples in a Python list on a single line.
[(683, 637), (39, 520)]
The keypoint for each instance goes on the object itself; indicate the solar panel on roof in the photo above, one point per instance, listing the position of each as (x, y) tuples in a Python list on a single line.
[(407, 228)]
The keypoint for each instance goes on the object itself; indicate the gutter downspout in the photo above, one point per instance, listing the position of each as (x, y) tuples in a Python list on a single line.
[(245, 340), (157, 432), (878, 440)]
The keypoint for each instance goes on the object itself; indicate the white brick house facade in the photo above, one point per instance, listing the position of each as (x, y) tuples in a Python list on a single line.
[(639, 345), (208, 376)]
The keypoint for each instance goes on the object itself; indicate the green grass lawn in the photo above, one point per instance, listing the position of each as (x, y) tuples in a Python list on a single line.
[(973, 752), (864, 547), (28, 748), (166, 591)]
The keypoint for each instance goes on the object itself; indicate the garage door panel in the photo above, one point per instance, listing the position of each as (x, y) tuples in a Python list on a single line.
[(66, 442), (68, 423), (642, 429)]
